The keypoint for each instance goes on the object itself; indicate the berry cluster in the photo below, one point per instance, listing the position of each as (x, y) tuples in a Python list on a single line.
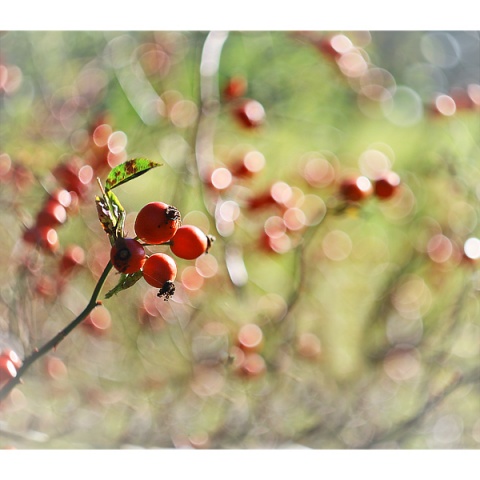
[(158, 223)]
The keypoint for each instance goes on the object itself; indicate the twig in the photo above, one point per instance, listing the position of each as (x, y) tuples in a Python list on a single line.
[(403, 427), (52, 344)]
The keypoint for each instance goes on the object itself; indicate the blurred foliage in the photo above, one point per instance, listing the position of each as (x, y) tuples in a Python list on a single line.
[(369, 311)]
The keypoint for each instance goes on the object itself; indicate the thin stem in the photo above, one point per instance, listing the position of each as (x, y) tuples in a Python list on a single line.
[(51, 344)]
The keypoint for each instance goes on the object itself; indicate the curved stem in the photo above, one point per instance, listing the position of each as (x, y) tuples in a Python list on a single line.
[(51, 344)]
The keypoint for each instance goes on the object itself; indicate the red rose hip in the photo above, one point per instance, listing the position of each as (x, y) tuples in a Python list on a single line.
[(157, 222), (159, 269), (190, 242), (127, 255)]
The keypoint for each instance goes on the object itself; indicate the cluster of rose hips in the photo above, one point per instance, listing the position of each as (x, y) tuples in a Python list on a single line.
[(158, 223), (9, 364)]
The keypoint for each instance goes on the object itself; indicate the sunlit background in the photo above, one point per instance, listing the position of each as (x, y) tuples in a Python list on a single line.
[(318, 319)]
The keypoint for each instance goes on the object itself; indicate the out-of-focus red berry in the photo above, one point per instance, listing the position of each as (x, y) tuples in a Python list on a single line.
[(12, 356), (250, 113), (355, 189), (52, 214), (72, 257), (386, 186), (235, 87), (250, 338), (251, 163), (43, 237), (7, 370), (98, 322)]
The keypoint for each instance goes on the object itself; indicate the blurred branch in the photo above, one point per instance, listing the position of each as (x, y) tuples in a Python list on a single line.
[(399, 431), (52, 344)]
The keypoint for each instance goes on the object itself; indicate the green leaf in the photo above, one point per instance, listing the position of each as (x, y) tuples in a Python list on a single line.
[(128, 171), (126, 281)]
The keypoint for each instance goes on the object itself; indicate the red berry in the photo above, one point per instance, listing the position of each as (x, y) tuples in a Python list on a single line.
[(73, 256), (159, 271), (250, 338), (235, 88), (355, 189), (190, 242), (74, 176), (12, 356), (98, 321), (250, 113), (247, 364), (250, 164), (52, 214), (386, 186), (220, 179), (62, 196), (157, 222), (7, 369), (44, 237), (127, 255)]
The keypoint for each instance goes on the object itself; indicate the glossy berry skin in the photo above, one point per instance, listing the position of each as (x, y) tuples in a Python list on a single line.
[(157, 222), (386, 186), (127, 255), (159, 269), (189, 242)]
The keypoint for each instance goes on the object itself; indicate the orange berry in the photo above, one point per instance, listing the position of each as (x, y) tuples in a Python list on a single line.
[(157, 222), (159, 271), (190, 242)]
